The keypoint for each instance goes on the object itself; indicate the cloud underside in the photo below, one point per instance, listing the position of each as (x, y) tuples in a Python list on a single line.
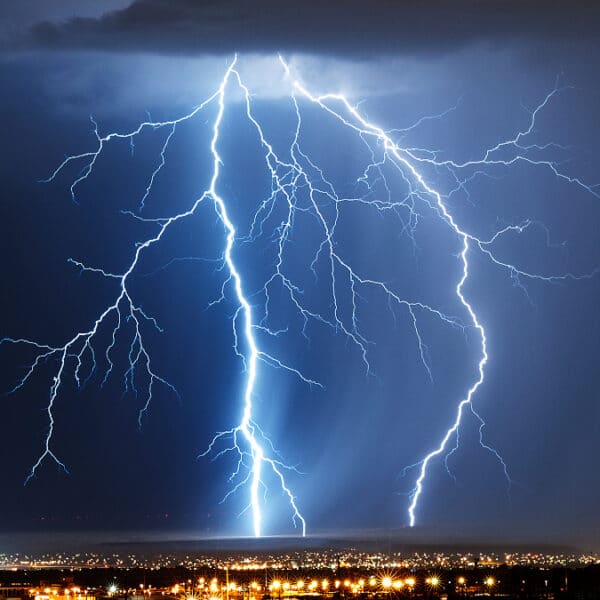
[(344, 28)]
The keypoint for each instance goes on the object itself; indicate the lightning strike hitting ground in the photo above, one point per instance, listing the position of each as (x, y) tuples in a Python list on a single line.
[(299, 185)]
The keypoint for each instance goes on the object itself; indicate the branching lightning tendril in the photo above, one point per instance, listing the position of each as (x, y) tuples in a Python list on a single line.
[(292, 175)]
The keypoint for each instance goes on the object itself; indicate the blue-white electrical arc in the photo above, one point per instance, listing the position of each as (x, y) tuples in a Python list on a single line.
[(291, 174)]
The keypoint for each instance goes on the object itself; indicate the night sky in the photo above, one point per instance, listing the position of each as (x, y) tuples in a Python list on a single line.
[(486, 65)]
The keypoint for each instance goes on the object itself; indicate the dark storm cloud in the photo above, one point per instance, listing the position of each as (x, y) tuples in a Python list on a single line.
[(18, 15), (348, 28)]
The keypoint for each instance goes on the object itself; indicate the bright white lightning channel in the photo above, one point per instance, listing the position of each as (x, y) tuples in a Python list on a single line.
[(298, 184)]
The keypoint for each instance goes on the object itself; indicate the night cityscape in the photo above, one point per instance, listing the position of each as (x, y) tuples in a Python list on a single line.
[(294, 574), (299, 299)]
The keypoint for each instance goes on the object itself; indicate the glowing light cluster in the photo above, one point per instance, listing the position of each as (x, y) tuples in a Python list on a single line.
[(291, 175)]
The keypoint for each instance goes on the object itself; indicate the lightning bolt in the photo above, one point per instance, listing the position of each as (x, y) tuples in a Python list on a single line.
[(409, 159), (299, 186)]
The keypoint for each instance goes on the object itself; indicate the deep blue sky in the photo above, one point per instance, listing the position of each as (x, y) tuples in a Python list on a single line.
[(351, 439)]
